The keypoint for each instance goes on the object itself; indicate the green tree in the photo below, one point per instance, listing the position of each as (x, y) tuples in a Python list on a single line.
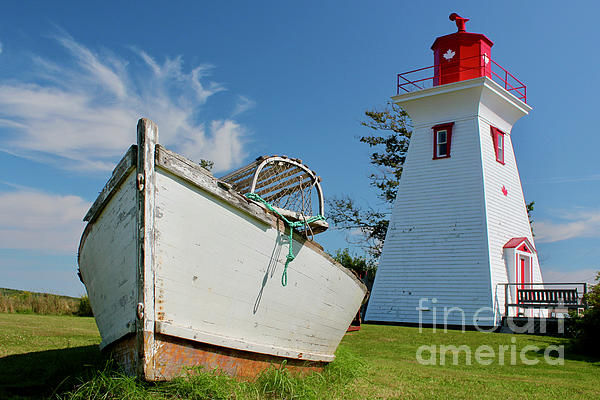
[(390, 147), (389, 138), (207, 164), (530, 215), (355, 262)]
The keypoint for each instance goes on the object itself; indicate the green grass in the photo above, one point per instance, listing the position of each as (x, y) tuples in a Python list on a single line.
[(40, 352), (58, 356), (394, 372)]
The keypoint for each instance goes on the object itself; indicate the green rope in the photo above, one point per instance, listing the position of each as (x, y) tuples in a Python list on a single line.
[(290, 256)]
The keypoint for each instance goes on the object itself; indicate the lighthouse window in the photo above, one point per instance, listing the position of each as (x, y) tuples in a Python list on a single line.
[(442, 145), (442, 135), (498, 137)]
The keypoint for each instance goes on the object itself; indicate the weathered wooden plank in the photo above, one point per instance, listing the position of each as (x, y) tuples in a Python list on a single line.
[(176, 355), (119, 174), (167, 328), (107, 261), (245, 185), (243, 171), (193, 173), (147, 136), (243, 179)]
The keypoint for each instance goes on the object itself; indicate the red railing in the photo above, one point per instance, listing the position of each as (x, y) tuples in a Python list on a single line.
[(422, 78)]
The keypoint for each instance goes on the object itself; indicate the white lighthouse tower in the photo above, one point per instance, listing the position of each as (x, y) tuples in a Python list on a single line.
[(459, 227)]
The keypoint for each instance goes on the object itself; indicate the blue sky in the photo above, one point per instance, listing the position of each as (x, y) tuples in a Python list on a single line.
[(229, 81)]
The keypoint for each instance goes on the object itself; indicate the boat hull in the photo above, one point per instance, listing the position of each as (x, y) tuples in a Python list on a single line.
[(183, 271), (174, 356)]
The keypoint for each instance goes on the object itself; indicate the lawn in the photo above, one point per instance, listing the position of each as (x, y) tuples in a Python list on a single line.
[(41, 353), (393, 370), (46, 355)]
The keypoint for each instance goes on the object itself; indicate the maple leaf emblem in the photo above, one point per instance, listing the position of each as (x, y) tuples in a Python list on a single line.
[(486, 59), (504, 191), (449, 54)]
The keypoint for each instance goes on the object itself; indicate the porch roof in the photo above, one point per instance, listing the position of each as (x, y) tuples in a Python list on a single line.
[(516, 242)]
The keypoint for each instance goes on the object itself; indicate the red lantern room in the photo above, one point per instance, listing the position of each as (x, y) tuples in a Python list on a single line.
[(461, 55)]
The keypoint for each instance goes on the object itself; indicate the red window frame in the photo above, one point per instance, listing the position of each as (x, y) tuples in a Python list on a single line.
[(438, 128), (499, 151)]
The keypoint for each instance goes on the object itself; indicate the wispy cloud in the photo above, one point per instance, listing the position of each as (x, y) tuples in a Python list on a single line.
[(579, 275), (243, 104), (80, 112), (584, 223), (565, 179), (35, 220)]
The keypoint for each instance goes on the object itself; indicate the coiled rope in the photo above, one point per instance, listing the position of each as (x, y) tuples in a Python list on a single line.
[(291, 225)]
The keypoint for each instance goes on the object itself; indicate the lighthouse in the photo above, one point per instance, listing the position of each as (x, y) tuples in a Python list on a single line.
[(459, 227)]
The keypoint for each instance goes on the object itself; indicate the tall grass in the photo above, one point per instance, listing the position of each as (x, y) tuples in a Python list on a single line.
[(17, 301), (273, 383)]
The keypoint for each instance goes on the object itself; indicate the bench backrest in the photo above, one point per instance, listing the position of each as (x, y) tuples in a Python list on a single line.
[(547, 296)]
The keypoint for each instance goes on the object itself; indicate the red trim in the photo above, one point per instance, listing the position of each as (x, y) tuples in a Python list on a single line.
[(495, 133), (523, 262), (522, 265), (524, 248), (515, 243), (517, 279), (442, 127)]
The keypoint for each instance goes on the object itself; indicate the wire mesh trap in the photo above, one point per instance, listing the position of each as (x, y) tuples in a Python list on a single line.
[(288, 186)]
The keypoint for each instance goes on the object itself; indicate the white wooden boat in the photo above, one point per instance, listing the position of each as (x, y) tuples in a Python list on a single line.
[(182, 270)]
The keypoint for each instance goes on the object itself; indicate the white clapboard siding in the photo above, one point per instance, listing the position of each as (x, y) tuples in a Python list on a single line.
[(448, 223), (507, 215), (218, 279), (108, 260), (433, 248)]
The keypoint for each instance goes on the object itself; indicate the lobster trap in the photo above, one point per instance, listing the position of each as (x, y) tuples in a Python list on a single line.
[(285, 186)]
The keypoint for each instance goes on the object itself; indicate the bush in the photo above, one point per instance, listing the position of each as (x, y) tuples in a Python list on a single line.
[(356, 263), (85, 308), (585, 328)]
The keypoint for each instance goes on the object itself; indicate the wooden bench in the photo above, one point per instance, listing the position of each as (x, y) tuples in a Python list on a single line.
[(547, 298)]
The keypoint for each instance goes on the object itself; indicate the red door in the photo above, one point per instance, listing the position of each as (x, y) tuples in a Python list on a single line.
[(522, 272)]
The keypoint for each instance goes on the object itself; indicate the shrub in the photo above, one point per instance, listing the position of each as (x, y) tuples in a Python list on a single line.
[(585, 328), (85, 308), (355, 263)]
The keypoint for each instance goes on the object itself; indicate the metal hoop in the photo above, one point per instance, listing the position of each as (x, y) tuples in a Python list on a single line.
[(314, 178)]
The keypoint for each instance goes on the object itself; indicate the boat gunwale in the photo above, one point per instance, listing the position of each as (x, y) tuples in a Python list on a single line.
[(121, 171)]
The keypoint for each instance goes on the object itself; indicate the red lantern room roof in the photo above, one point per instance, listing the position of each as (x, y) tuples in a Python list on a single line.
[(461, 36), (461, 56)]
